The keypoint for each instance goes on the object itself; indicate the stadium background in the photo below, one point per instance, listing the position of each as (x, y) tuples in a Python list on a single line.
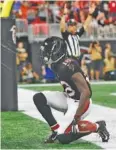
[(37, 20), (23, 132)]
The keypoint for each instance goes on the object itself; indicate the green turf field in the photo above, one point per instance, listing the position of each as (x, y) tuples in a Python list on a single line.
[(101, 93), (20, 131)]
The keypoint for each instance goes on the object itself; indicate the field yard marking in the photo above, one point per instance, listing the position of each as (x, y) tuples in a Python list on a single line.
[(114, 94), (25, 103), (57, 84)]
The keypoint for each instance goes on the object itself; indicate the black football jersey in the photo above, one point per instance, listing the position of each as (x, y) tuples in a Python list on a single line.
[(65, 72)]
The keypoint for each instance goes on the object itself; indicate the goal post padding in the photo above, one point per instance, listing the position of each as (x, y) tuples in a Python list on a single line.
[(8, 66)]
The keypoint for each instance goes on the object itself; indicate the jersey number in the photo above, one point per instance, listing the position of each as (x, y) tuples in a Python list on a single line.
[(67, 89)]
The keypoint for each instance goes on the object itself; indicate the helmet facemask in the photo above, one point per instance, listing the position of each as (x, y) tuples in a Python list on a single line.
[(54, 51)]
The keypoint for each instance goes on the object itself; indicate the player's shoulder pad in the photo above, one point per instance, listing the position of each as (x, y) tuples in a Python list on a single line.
[(69, 64), (69, 67)]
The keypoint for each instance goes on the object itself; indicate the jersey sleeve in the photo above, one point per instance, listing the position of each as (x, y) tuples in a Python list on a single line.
[(81, 31), (67, 70)]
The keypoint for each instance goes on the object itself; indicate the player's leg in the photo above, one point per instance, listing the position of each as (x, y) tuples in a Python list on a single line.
[(68, 135), (44, 101), (97, 127), (84, 125), (87, 127), (85, 113)]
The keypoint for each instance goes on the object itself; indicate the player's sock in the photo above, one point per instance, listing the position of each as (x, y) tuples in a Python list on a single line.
[(87, 126), (55, 127), (41, 104)]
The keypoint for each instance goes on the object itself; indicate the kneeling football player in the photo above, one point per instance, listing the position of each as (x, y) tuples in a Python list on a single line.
[(76, 88)]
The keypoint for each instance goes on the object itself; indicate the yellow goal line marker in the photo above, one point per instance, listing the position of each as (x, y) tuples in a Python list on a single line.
[(6, 7)]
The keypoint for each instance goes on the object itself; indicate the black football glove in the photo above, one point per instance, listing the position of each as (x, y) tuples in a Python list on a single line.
[(74, 123)]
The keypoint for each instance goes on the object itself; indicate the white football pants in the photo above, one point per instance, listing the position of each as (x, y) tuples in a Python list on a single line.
[(59, 101)]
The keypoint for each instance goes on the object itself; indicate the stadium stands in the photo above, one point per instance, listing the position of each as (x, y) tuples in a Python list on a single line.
[(40, 19)]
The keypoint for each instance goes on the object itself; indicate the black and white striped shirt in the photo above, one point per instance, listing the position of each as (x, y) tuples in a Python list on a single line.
[(72, 42)]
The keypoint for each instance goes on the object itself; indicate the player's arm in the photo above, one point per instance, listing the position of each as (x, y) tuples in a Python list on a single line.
[(84, 92)]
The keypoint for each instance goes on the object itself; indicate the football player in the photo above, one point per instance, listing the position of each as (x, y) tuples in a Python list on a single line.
[(76, 89)]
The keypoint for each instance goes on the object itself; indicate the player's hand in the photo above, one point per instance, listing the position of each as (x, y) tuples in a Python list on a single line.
[(74, 124)]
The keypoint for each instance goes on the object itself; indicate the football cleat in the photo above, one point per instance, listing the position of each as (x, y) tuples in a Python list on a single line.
[(102, 131), (51, 138)]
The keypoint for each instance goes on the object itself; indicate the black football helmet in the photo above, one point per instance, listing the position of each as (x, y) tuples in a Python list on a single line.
[(54, 50)]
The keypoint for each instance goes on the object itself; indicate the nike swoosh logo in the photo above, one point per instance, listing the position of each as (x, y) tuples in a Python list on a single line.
[(54, 138)]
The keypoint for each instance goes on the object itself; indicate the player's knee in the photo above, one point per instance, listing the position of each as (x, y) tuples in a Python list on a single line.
[(39, 99)]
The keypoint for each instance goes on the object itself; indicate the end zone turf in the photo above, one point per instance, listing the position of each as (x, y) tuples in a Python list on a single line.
[(23, 132)]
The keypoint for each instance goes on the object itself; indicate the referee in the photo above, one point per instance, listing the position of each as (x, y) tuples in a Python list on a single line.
[(70, 33)]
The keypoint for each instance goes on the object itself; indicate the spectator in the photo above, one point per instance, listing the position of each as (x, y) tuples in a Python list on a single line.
[(109, 68), (20, 47), (60, 3), (16, 7), (28, 75), (48, 74), (21, 55), (109, 64), (112, 8), (108, 51), (23, 11), (17, 60), (96, 57), (43, 12), (31, 14)]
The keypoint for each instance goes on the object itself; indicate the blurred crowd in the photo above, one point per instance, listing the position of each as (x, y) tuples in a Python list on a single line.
[(96, 62), (25, 71), (100, 63), (41, 11)]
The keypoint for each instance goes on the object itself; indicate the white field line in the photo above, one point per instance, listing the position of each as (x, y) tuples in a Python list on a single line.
[(25, 103), (57, 84), (113, 94)]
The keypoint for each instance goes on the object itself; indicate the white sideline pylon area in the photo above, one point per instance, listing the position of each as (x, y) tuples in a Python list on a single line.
[(26, 105)]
